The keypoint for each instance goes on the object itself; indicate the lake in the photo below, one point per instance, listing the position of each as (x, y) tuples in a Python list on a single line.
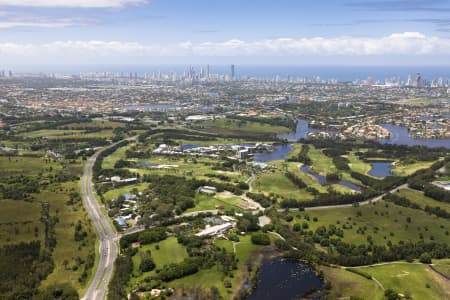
[(381, 168), (284, 280)]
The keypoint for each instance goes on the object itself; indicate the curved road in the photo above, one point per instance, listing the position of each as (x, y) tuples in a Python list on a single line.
[(106, 233)]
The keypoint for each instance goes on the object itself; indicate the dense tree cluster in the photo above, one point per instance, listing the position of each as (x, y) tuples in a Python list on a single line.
[(297, 181), (302, 156), (19, 187), (262, 199), (148, 236), (259, 238), (275, 121), (174, 271), (22, 267), (97, 168), (384, 184), (123, 267)]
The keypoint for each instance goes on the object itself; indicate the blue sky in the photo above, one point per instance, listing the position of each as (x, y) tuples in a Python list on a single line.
[(286, 31)]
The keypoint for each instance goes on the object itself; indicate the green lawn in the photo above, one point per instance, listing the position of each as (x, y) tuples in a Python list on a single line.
[(124, 190), (408, 169), (279, 184), (181, 166), (204, 202), (345, 284), (407, 278), (358, 165), (66, 247), (235, 127), (48, 133), (276, 182), (170, 251), (110, 160), (321, 163), (95, 123), (390, 221), (245, 251), (18, 165), (20, 227), (419, 198), (442, 265)]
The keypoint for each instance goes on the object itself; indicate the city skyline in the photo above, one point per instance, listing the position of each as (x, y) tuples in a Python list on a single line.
[(392, 32)]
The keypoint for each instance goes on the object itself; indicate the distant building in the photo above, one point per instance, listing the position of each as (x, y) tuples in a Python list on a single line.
[(207, 190), (242, 154), (216, 230), (121, 222)]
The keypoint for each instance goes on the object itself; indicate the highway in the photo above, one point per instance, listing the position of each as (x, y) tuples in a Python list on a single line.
[(107, 235)]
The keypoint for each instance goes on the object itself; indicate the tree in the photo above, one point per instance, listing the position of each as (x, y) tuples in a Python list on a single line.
[(260, 239), (147, 263), (425, 258), (391, 295)]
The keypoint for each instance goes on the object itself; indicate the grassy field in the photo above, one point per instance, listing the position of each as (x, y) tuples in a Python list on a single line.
[(110, 160), (95, 123), (50, 133), (124, 190), (276, 182), (20, 220), (321, 163), (21, 165), (169, 252), (204, 202), (67, 248), (442, 265), (235, 127), (408, 278), (15, 227), (422, 200), (189, 168), (381, 223), (245, 251), (358, 165), (279, 184), (408, 169), (345, 284)]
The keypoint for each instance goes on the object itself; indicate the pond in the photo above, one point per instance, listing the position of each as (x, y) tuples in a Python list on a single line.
[(323, 181), (284, 280), (281, 151), (381, 168)]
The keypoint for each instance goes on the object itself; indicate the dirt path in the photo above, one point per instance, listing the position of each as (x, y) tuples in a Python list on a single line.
[(443, 282)]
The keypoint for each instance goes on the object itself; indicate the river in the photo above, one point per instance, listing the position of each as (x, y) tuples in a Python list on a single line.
[(400, 136)]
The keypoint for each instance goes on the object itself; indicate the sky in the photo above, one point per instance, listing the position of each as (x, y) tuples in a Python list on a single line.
[(295, 32)]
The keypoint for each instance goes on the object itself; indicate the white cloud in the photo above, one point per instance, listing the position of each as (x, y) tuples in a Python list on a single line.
[(398, 44), (71, 3), (51, 24)]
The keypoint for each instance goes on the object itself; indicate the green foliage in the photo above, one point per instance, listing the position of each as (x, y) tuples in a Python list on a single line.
[(123, 266), (259, 238), (173, 271), (425, 258), (22, 267), (147, 263)]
